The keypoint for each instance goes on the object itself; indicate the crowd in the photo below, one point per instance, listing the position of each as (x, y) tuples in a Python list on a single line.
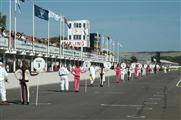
[(132, 71), (54, 41)]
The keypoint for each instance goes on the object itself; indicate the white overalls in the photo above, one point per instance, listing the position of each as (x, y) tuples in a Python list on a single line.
[(3, 76)]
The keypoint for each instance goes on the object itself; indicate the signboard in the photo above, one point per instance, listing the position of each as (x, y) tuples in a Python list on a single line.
[(107, 65), (39, 64), (133, 65), (123, 65), (74, 43), (86, 64), (145, 66), (140, 65)]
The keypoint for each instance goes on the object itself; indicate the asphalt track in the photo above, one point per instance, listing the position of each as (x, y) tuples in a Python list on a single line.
[(155, 97)]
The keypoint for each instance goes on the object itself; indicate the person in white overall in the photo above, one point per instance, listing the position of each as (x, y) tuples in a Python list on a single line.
[(123, 72), (92, 74), (63, 73), (3, 78)]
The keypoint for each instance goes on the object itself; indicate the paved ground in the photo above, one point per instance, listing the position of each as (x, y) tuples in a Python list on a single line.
[(154, 97)]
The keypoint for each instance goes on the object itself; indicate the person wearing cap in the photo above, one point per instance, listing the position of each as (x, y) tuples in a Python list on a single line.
[(3, 78), (64, 82)]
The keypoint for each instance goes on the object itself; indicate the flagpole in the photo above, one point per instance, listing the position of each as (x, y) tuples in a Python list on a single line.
[(107, 49), (60, 38), (63, 37), (9, 42), (103, 46), (97, 45), (110, 55), (33, 27), (15, 25), (111, 50), (118, 51), (48, 37)]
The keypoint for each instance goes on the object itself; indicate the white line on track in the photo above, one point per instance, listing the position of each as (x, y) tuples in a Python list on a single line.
[(118, 105), (41, 103), (178, 83), (146, 108), (135, 116), (158, 95), (150, 103), (108, 92), (154, 98)]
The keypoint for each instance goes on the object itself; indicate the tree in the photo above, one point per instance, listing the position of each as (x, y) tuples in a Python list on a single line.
[(2, 20), (157, 56), (133, 59)]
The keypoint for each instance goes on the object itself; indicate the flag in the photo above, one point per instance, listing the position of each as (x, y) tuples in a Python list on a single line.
[(65, 21), (40, 12), (17, 2), (53, 15)]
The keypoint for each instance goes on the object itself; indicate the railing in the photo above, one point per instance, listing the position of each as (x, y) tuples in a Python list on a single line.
[(3, 42), (41, 48)]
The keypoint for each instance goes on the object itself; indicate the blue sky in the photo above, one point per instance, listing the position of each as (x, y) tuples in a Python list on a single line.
[(140, 25)]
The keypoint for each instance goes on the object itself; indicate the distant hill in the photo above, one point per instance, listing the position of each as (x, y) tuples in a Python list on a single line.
[(174, 56)]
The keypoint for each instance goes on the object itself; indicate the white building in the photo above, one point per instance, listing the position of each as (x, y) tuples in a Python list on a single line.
[(79, 30)]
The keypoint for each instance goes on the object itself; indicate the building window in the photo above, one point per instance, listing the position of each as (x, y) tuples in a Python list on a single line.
[(79, 37), (79, 25), (70, 25), (70, 37), (75, 25), (84, 25), (83, 37)]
